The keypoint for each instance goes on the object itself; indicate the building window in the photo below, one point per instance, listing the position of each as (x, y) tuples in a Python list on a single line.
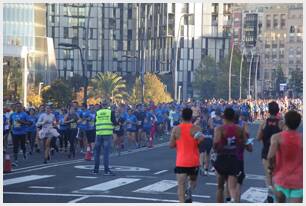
[(66, 32), (292, 29), (298, 51), (130, 34), (275, 20), (268, 21), (130, 13), (52, 31), (283, 21)]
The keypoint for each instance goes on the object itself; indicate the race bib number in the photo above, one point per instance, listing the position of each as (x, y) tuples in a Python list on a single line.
[(16, 124), (73, 125), (117, 128), (231, 141), (129, 126), (139, 122), (7, 127)]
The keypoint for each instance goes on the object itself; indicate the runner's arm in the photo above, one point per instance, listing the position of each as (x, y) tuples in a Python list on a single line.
[(260, 132), (172, 142), (272, 152), (217, 137)]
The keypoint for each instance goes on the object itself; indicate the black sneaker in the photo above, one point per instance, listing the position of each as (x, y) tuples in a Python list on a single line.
[(109, 173), (188, 196), (15, 164), (95, 172), (25, 157), (269, 199)]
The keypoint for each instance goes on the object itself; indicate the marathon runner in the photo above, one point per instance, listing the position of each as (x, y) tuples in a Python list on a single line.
[(71, 120), (19, 122), (271, 126), (47, 122), (227, 138), (185, 138), (285, 161)]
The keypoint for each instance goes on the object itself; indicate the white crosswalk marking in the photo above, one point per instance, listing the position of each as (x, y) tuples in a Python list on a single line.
[(111, 184), (25, 179), (160, 186)]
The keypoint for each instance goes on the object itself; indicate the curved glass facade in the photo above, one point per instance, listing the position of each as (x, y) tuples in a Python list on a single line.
[(19, 25)]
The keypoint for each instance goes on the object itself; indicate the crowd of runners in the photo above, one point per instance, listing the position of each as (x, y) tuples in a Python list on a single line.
[(219, 128)]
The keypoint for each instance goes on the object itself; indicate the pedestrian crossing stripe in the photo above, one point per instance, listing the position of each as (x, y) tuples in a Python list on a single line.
[(22, 179), (158, 187), (105, 186)]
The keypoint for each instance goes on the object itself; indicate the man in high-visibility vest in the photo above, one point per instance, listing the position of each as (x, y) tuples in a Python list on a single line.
[(105, 121)]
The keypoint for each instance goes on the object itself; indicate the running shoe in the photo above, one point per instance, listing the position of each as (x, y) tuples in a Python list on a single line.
[(109, 173), (188, 196), (95, 172), (15, 163)]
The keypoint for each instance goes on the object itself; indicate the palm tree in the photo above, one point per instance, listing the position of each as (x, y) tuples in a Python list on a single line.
[(109, 85)]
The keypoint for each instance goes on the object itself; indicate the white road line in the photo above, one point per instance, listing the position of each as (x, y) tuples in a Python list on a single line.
[(56, 164), (200, 196), (248, 176), (102, 196), (25, 179), (105, 186), (157, 187), (211, 183), (78, 199), (162, 171), (85, 177), (41, 187)]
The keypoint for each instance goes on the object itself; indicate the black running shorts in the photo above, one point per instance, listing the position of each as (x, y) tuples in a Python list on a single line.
[(227, 165), (187, 170), (205, 146)]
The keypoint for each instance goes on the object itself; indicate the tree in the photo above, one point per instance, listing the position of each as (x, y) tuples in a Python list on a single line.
[(279, 78), (12, 78), (296, 81), (34, 99), (205, 78), (58, 92), (211, 80), (154, 90), (109, 86), (223, 73)]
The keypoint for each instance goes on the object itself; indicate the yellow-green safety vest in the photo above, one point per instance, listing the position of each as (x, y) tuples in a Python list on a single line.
[(104, 125)]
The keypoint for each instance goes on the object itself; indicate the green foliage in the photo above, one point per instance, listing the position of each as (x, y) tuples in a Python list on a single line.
[(109, 85), (205, 78), (58, 92), (296, 81), (12, 78), (279, 77), (154, 90), (211, 80)]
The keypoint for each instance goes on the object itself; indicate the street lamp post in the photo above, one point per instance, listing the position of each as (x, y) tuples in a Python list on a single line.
[(176, 54), (255, 83), (250, 69), (39, 88), (240, 75), (74, 46)]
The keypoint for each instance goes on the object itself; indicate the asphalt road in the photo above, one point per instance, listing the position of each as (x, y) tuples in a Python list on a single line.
[(142, 176)]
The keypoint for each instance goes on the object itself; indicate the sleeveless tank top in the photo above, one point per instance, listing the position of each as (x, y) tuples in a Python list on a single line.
[(270, 129), (230, 140), (288, 171), (187, 152)]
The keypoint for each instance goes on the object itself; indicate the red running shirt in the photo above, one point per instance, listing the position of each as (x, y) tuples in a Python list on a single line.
[(288, 171), (187, 152)]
